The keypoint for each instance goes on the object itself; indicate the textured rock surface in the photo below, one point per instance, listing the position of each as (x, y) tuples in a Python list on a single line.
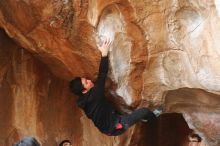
[(159, 45), (31, 98), (200, 109), (34, 102)]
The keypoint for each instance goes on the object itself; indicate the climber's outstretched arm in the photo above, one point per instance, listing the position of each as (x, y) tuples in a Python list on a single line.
[(103, 67)]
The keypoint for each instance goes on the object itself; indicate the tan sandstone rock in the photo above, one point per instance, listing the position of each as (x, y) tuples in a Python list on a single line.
[(159, 46)]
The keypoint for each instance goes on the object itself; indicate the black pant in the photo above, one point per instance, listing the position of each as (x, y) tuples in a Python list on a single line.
[(130, 119)]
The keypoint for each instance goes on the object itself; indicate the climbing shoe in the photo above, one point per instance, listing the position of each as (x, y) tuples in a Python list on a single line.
[(158, 111)]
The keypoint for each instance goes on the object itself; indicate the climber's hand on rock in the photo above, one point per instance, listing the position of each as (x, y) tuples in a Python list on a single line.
[(104, 48)]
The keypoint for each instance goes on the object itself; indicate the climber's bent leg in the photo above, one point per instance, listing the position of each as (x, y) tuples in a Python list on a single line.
[(126, 121), (140, 114)]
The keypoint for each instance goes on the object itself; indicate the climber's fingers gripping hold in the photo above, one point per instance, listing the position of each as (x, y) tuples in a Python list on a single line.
[(104, 48)]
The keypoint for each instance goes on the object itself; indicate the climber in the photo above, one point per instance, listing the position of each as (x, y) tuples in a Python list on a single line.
[(92, 100), (65, 143)]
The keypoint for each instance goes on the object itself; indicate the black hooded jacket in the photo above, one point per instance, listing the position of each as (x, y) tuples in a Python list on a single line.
[(95, 104)]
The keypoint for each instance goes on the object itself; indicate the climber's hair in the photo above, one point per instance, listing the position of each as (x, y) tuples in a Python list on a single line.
[(64, 141), (76, 86), (27, 141)]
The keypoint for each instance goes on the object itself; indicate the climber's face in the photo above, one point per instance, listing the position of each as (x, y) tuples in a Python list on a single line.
[(87, 84)]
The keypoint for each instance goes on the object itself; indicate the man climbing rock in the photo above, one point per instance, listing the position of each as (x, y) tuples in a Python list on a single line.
[(97, 108)]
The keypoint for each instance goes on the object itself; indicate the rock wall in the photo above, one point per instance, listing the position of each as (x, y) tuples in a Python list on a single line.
[(36, 103), (158, 46), (31, 99)]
